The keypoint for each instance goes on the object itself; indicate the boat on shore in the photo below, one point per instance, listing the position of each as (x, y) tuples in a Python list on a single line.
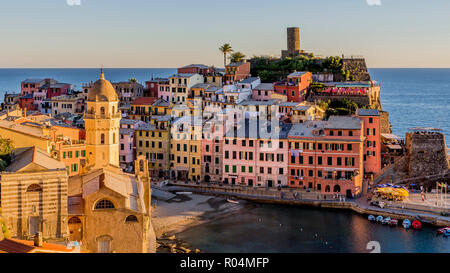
[(379, 218), (446, 233), (232, 201), (386, 220), (416, 224), (393, 222), (371, 218), (406, 223), (184, 192)]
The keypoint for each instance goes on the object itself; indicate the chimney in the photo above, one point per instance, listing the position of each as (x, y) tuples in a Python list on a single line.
[(38, 241)]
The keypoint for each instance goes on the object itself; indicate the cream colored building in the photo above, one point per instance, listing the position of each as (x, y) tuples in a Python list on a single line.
[(181, 84)]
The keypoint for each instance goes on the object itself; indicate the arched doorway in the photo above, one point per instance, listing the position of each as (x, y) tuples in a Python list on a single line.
[(327, 188), (337, 188), (75, 229)]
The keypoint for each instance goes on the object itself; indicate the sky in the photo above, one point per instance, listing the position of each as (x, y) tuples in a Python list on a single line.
[(172, 33)]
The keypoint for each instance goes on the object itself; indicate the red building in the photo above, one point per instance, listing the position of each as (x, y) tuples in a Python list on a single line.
[(57, 89), (327, 155), (372, 145), (201, 69), (152, 86), (29, 86), (237, 71), (27, 101), (295, 87)]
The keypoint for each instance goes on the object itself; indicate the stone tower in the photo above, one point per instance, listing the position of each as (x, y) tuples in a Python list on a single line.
[(293, 40), (102, 123)]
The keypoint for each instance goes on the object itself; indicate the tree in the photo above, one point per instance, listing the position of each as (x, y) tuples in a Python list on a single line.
[(237, 57), (225, 49), (6, 148), (133, 80)]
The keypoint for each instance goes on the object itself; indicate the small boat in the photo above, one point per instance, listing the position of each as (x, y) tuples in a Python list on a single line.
[(183, 192), (443, 230), (372, 218), (386, 220), (393, 223), (406, 224), (416, 224), (379, 218), (233, 201), (447, 233)]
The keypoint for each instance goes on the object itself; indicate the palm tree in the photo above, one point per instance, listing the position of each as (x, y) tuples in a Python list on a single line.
[(237, 57), (225, 49)]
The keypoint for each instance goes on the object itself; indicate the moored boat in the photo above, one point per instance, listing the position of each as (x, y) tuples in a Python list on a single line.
[(406, 224), (393, 222), (184, 192), (447, 233), (233, 201), (372, 218), (416, 224), (379, 218), (386, 220), (443, 230)]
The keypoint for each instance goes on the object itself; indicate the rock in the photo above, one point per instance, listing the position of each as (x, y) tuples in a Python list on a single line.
[(172, 237), (185, 250), (197, 250)]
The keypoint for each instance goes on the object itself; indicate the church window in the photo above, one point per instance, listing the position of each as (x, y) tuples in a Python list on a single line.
[(104, 204), (102, 138), (131, 218), (34, 188), (102, 110), (114, 138)]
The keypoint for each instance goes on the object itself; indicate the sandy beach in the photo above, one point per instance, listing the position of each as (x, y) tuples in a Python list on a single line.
[(184, 211)]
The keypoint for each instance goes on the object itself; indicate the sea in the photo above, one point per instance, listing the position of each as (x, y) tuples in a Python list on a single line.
[(413, 98)]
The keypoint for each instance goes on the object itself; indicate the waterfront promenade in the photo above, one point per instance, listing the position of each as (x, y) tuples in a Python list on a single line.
[(399, 210)]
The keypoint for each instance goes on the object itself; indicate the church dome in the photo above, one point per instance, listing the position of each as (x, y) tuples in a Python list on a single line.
[(102, 90)]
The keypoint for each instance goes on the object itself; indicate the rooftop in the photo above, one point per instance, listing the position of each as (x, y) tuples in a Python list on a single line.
[(250, 80), (265, 86), (143, 101), (297, 74), (367, 112), (343, 122), (201, 66)]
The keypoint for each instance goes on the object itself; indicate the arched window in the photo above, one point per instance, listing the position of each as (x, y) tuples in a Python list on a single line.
[(102, 138), (74, 220), (104, 204), (114, 138), (131, 218), (92, 110), (34, 188), (102, 110), (327, 188), (337, 188), (113, 110)]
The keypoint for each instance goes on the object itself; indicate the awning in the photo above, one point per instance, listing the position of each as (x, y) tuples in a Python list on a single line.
[(394, 147), (390, 136)]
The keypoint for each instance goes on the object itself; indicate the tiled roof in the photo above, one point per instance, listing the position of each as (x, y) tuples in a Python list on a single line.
[(22, 246), (343, 122), (143, 101), (250, 80), (297, 74), (265, 86), (201, 66), (36, 156)]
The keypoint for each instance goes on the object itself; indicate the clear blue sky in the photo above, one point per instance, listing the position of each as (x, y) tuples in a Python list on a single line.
[(171, 33)]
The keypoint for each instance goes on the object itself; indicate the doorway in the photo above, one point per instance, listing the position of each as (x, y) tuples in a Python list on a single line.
[(34, 225)]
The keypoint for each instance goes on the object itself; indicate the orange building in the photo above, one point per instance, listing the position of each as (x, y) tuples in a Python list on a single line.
[(237, 71), (327, 155), (372, 145), (295, 87)]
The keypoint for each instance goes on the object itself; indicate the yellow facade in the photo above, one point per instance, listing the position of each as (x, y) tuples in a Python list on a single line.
[(153, 143)]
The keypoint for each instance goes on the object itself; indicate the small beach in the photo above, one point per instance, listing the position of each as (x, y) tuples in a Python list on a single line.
[(185, 211)]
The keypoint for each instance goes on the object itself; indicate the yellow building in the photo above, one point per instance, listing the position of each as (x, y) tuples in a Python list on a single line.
[(185, 148), (26, 136), (153, 142)]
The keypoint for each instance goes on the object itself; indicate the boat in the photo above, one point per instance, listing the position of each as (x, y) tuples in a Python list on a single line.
[(184, 192), (406, 224), (416, 224), (393, 222), (233, 201), (447, 233), (379, 218), (443, 230), (386, 220), (372, 218)]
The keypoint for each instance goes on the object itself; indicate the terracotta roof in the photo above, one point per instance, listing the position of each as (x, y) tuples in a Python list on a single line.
[(144, 101), (34, 155), (22, 246)]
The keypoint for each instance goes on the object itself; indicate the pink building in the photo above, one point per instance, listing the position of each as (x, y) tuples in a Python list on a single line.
[(212, 150), (256, 156), (127, 149), (263, 92), (372, 144)]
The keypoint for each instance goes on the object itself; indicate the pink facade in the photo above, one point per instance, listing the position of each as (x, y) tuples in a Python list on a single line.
[(127, 145), (212, 151), (263, 92), (164, 92), (256, 161)]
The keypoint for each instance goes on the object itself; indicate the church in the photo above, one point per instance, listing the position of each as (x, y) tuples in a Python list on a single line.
[(108, 210)]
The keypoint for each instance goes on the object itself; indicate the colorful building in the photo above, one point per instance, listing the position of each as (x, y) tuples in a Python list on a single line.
[(180, 85), (295, 87), (235, 72), (327, 156), (127, 142), (141, 108), (372, 145)]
